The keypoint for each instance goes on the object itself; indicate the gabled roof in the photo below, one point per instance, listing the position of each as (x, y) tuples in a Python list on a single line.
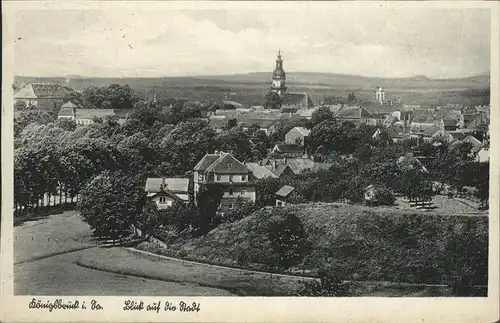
[(260, 171), (41, 90), (220, 164), (305, 132), (69, 104), (296, 99), (175, 185), (285, 191), (473, 141), (66, 112), (409, 162), (205, 162), (353, 113)]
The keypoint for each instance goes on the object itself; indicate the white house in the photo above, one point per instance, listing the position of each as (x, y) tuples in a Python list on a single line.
[(297, 135), (165, 191)]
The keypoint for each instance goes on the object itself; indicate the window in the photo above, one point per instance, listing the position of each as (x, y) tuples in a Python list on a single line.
[(231, 205), (230, 191), (162, 199), (229, 165), (230, 178), (280, 203), (217, 178), (243, 178), (243, 192)]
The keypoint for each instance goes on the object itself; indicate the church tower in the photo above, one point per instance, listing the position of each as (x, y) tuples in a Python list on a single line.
[(279, 77)]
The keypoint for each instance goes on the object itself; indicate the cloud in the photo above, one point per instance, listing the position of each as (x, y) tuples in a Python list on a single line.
[(385, 42)]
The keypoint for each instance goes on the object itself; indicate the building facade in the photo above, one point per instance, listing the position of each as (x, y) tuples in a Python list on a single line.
[(222, 168), (165, 191)]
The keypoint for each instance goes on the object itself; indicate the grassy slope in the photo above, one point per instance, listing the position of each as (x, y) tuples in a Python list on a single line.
[(359, 242)]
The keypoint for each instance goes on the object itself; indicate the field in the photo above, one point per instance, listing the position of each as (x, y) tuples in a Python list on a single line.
[(250, 89)]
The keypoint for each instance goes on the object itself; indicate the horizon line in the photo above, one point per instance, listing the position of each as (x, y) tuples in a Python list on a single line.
[(486, 73)]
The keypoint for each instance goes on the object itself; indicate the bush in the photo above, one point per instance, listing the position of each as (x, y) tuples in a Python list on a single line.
[(384, 196), (288, 240)]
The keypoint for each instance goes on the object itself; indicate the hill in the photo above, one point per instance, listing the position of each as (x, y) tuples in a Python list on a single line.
[(299, 78), (358, 243), (249, 89)]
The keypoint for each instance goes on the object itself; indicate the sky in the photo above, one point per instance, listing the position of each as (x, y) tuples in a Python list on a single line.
[(374, 41)]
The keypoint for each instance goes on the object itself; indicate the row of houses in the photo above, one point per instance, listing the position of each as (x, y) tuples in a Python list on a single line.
[(84, 116)]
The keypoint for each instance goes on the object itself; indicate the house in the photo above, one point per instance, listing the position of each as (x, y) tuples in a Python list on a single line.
[(370, 194), (265, 124), (483, 155), (260, 171), (67, 111), (297, 135), (292, 102), (223, 168), (443, 135), (283, 195), (165, 191), (46, 96), (425, 133), (356, 115), (288, 150), (410, 162), (87, 116), (306, 113), (294, 166)]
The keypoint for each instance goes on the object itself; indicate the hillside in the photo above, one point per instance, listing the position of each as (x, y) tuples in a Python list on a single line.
[(298, 78), (358, 243)]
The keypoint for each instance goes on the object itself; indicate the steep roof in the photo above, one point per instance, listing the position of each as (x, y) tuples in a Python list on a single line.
[(260, 171), (66, 112), (285, 191), (175, 185), (227, 164), (26, 92), (305, 132), (409, 162), (296, 99), (473, 141), (69, 104), (41, 91), (205, 162), (353, 113)]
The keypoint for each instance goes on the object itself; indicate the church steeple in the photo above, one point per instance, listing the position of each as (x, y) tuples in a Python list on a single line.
[(279, 76)]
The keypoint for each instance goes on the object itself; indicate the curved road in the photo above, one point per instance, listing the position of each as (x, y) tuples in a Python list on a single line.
[(39, 272)]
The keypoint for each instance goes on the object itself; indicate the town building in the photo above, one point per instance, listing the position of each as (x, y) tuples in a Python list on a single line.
[(297, 135), (46, 96), (85, 117), (223, 168), (165, 191), (288, 150), (284, 194), (380, 95), (290, 101)]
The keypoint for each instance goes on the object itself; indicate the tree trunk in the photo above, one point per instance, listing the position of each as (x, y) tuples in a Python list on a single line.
[(65, 194), (60, 195)]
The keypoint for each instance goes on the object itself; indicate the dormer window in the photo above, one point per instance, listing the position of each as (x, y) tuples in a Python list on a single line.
[(229, 165)]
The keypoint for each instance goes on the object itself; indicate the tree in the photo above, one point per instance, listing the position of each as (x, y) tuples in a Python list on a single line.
[(320, 115), (149, 219), (236, 141), (20, 105), (208, 201), (272, 100), (260, 144), (110, 203), (28, 116), (351, 98), (66, 124), (288, 239)]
